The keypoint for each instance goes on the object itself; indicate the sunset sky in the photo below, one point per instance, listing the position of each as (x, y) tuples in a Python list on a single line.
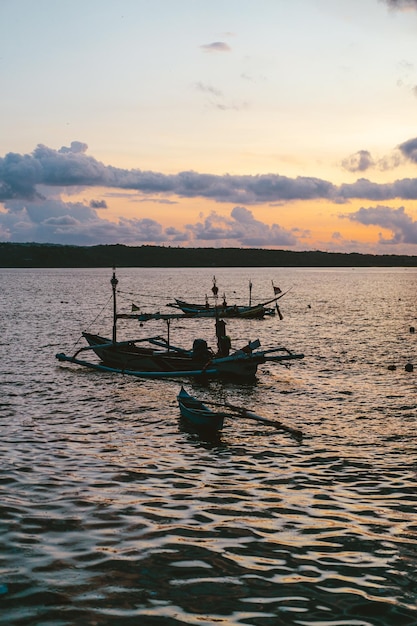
[(194, 123)]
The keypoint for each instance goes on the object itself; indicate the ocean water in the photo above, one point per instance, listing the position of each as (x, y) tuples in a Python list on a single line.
[(111, 513)]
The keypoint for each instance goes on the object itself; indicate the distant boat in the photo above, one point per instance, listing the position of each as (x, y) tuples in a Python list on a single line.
[(222, 309), (156, 357), (256, 311)]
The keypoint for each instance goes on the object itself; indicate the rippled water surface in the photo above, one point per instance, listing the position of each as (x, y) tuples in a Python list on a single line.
[(111, 513)]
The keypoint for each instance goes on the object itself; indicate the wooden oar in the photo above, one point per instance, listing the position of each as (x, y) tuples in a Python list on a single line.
[(294, 432)]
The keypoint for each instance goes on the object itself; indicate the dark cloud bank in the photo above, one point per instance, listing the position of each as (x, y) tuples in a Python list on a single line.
[(31, 184)]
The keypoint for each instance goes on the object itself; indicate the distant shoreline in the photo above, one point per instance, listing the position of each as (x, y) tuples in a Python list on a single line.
[(27, 255)]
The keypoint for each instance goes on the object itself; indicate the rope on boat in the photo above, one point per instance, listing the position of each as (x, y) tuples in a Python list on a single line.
[(92, 322)]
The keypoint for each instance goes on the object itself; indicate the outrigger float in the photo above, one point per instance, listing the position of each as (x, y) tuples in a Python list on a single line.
[(156, 357)]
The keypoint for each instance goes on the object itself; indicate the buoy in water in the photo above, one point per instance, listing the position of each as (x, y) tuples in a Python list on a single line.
[(412, 329), (409, 367)]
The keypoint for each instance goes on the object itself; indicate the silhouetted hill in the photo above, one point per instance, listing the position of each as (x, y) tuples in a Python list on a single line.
[(50, 255)]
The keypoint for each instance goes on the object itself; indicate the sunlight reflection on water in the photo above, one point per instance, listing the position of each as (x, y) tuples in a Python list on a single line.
[(112, 513)]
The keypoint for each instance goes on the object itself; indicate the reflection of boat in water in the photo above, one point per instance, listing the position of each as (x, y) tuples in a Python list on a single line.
[(156, 357)]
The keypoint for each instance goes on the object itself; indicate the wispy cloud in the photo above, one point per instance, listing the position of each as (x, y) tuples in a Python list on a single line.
[(216, 46), (209, 89), (217, 99)]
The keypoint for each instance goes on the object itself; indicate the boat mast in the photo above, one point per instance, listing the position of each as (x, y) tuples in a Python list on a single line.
[(215, 291), (113, 283)]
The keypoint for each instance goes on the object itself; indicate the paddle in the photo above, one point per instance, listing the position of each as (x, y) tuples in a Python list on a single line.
[(294, 432)]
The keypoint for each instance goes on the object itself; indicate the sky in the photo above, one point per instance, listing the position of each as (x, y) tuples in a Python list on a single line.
[(210, 123)]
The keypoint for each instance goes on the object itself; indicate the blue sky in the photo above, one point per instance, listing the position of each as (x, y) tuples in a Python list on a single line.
[(225, 123)]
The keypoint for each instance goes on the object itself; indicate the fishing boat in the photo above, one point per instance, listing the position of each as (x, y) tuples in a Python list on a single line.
[(195, 413), (222, 309), (156, 357), (255, 311)]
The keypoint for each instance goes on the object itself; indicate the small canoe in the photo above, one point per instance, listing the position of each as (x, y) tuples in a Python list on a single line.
[(197, 414)]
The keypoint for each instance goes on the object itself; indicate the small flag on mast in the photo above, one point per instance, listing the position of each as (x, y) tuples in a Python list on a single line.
[(277, 290)]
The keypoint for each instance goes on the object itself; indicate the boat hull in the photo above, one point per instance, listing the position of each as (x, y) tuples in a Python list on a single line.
[(197, 415), (247, 312), (127, 356)]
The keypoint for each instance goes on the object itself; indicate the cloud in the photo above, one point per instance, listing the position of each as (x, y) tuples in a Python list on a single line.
[(31, 186), (409, 149), (208, 89), (232, 106), (155, 200), (358, 162), (76, 147), (390, 162), (22, 176), (98, 204), (364, 188), (362, 160), (216, 46), (176, 236), (403, 228), (217, 100), (55, 221), (401, 5), (242, 228), (46, 172)]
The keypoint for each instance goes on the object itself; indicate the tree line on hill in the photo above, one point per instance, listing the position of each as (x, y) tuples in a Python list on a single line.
[(52, 255)]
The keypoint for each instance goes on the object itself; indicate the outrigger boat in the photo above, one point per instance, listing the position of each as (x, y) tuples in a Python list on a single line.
[(160, 359), (251, 311), (256, 311)]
